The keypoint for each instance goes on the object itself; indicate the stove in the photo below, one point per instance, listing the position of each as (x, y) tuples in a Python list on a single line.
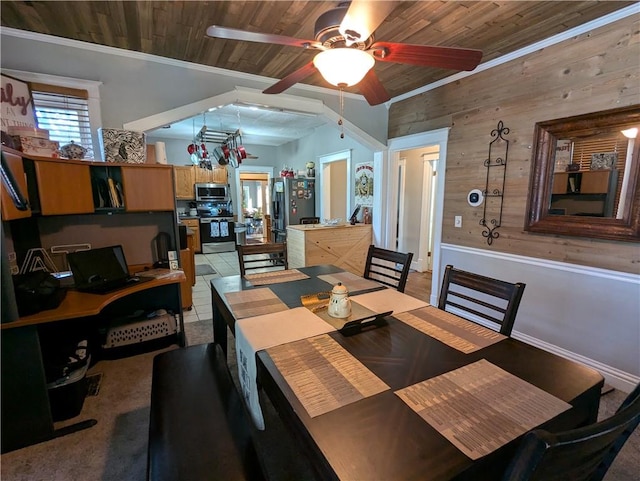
[(216, 222), (215, 209)]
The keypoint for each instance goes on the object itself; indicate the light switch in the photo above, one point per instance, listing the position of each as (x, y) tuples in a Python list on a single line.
[(457, 221)]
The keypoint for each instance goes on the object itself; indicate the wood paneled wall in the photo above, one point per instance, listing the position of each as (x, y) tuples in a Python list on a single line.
[(594, 71)]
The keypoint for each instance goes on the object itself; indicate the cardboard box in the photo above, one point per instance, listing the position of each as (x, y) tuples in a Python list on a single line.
[(29, 132), (124, 146), (37, 146)]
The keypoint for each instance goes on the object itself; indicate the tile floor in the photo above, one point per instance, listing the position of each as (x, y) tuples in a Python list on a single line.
[(225, 264)]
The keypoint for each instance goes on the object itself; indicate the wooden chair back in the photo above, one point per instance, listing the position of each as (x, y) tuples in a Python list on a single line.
[(582, 454), (492, 299), (388, 267), (263, 257)]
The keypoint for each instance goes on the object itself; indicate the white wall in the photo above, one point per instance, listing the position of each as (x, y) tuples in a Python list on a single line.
[(582, 313)]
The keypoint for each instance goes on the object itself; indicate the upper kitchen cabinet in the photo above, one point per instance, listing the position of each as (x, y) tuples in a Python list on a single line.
[(218, 175), (15, 202), (184, 177), (64, 187), (148, 188)]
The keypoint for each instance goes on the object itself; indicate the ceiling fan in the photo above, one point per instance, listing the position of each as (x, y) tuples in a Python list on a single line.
[(348, 50)]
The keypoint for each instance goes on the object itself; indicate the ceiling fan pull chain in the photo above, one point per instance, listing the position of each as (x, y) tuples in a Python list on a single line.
[(340, 123)]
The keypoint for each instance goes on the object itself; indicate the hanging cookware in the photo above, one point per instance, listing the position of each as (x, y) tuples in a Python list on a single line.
[(234, 152), (225, 150), (205, 153), (233, 156), (241, 150), (219, 156), (191, 148)]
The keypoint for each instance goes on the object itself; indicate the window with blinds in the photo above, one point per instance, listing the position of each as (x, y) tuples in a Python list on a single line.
[(64, 112)]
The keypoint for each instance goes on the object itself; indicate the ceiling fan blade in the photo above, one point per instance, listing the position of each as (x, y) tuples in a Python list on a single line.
[(237, 34), (372, 89), (291, 79), (362, 19), (426, 55)]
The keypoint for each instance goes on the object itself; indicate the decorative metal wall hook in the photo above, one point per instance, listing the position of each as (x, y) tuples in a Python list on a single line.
[(493, 188)]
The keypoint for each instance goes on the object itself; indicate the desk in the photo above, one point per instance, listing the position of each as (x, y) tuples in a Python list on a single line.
[(380, 437), (26, 413)]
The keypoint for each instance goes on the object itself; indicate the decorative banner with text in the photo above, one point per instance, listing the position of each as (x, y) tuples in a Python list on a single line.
[(17, 105), (364, 184)]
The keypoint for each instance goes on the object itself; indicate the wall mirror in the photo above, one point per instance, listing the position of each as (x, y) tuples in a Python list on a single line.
[(584, 178)]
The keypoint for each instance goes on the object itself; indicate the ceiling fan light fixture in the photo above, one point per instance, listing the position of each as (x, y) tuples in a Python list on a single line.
[(343, 66)]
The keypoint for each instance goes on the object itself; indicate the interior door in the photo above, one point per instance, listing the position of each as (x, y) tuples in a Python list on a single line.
[(416, 191)]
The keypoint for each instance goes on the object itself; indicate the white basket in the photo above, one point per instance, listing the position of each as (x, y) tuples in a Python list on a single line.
[(137, 332)]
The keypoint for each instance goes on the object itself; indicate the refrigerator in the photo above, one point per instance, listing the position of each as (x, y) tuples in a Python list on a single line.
[(291, 200)]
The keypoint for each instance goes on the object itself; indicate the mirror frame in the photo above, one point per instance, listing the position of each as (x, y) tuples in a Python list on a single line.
[(546, 135)]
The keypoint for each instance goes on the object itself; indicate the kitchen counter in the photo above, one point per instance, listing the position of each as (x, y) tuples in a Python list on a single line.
[(343, 245)]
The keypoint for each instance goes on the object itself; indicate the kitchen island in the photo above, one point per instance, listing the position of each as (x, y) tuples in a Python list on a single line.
[(342, 245)]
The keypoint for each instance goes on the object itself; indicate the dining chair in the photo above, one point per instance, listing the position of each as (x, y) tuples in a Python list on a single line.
[(581, 454), (492, 299), (264, 257), (388, 267), (309, 220)]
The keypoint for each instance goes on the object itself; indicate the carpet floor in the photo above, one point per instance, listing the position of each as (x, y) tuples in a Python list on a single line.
[(115, 449)]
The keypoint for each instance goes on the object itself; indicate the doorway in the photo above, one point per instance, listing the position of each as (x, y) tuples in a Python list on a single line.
[(416, 193), (432, 168), (254, 201), (335, 179)]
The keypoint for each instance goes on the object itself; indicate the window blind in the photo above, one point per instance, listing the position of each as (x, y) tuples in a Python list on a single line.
[(64, 112)]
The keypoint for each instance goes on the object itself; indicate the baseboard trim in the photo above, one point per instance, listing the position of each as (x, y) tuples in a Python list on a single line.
[(615, 377)]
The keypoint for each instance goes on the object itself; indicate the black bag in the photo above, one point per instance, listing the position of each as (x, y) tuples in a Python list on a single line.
[(37, 291)]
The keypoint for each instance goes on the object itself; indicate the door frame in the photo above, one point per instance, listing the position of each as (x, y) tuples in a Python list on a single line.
[(323, 160), (261, 169), (409, 142)]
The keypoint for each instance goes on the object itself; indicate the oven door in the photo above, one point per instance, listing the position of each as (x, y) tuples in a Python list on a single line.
[(216, 229)]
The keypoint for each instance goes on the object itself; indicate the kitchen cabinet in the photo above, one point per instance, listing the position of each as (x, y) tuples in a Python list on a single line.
[(148, 188), (194, 225), (64, 187), (187, 263), (9, 210), (218, 175), (184, 177)]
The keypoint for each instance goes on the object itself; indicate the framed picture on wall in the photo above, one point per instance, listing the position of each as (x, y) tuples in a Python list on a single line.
[(17, 104), (604, 161)]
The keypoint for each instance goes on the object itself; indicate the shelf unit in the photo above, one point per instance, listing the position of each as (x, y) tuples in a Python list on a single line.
[(584, 193)]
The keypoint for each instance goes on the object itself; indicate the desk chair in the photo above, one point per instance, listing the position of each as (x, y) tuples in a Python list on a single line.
[(265, 257), (309, 220), (582, 454), (388, 267), (497, 301)]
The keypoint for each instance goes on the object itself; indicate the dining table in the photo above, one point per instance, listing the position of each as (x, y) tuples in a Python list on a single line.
[(416, 393)]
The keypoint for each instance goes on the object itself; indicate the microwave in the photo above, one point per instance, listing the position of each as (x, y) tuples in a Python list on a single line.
[(211, 192)]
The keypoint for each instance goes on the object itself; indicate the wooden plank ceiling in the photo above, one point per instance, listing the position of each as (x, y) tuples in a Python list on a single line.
[(176, 29)]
